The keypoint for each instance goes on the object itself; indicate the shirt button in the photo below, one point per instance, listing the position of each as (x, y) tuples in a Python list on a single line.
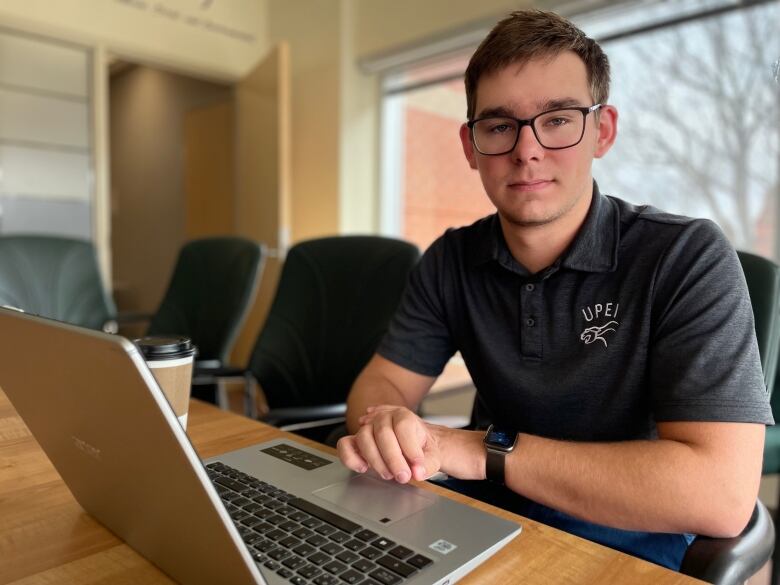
[(530, 322), (529, 287)]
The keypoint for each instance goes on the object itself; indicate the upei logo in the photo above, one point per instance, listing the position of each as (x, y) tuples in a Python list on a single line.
[(596, 332), (599, 332)]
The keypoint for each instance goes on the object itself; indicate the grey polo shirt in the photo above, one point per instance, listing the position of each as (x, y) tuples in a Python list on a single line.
[(645, 318)]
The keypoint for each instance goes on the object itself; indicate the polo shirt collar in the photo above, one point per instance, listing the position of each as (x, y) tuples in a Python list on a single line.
[(594, 248)]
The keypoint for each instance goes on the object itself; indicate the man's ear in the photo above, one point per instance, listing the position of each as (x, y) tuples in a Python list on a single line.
[(468, 146), (607, 129)]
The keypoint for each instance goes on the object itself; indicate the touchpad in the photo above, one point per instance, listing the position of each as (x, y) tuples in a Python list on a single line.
[(376, 499)]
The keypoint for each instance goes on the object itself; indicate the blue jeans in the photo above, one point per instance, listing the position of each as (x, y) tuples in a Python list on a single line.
[(660, 548)]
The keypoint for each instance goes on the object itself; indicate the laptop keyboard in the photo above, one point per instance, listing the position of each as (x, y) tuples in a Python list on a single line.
[(307, 544)]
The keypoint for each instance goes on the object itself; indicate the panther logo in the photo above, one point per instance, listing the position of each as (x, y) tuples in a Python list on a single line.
[(597, 332)]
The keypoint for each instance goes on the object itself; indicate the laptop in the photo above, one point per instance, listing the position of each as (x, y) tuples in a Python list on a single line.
[(277, 512)]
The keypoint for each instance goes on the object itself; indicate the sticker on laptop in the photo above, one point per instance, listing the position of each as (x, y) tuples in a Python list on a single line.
[(443, 547)]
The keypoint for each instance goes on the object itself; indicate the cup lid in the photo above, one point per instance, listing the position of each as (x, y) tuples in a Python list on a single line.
[(165, 347)]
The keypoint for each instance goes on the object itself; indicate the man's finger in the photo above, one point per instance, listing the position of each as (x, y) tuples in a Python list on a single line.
[(350, 456)]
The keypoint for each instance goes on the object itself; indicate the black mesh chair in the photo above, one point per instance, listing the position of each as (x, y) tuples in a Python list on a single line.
[(55, 277), (334, 300), (213, 285)]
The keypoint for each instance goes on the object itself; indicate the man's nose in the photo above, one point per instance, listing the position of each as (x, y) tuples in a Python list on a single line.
[(527, 147)]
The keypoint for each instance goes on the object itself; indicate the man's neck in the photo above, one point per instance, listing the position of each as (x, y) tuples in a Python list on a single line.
[(538, 246)]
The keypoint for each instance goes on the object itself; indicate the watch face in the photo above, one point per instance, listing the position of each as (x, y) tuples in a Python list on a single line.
[(500, 438)]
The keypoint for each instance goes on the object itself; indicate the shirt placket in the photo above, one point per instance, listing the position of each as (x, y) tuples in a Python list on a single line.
[(531, 319)]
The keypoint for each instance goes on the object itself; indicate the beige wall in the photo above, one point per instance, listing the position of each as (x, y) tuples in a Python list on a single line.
[(312, 29), (148, 204), (222, 38)]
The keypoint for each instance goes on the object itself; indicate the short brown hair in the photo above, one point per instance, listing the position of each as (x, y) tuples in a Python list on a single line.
[(527, 34)]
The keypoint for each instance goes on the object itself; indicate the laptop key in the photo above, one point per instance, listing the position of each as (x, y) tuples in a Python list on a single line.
[(326, 579), (334, 567), (366, 535), (271, 565), (316, 540), (277, 534), (347, 557), (351, 577), (278, 554), (313, 523), (354, 544), (371, 553), (385, 577), (284, 572), (298, 516), (263, 528), (325, 529), (265, 546), (419, 561), (293, 562), (326, 516), (383, 543), (289, 542), (401, 552), (276, 519), (303, 533), (364, 566), (304, 550), (309, 571), (396, 566), (289, 526), (339, 537), (234, 485), (319, 558), (332, 549), (298, 580)]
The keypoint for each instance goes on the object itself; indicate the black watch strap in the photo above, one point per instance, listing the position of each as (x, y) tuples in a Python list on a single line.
[(494, 467)]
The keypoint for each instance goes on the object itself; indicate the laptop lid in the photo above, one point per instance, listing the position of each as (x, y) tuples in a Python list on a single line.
[(100, 417)]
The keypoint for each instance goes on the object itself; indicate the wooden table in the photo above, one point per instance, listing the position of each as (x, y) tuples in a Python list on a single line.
[(46, 538)]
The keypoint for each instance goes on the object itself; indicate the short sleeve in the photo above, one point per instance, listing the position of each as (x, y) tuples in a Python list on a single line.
[(704, 362), (418, 337)]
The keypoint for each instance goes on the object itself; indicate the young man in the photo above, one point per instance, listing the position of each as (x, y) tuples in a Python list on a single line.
[(613, 344)]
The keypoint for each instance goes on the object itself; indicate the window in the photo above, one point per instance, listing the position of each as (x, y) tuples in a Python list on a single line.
[(699, 127)]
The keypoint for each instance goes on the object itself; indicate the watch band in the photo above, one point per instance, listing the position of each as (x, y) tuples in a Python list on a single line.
[(494, 466), (499, 442)]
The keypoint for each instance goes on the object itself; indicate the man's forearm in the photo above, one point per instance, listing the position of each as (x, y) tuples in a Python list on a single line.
[(660, 485)]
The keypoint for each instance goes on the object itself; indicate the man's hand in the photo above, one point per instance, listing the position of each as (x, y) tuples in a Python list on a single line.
[(398, 444)]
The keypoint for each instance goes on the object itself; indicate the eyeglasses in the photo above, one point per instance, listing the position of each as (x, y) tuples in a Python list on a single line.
[(554, 129)]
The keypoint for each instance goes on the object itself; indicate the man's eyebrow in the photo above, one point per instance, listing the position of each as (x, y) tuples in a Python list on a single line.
[(559, 103), (542, 106), (499, 112)]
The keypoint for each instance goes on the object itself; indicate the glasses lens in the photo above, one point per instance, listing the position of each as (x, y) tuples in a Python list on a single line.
[(560, 128), (495, 135)]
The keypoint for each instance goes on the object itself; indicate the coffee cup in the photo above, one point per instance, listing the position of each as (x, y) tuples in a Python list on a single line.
[(170, 360)]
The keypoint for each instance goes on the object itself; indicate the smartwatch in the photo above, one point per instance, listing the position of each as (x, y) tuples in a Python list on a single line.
[(499, 442)]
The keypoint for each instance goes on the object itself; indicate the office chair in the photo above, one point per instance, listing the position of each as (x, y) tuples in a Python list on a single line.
[(727, 561), (334, 300), (55, 277), (213, 285)]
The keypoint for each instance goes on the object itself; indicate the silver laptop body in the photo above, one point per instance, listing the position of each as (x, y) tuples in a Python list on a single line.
[(97, 412)]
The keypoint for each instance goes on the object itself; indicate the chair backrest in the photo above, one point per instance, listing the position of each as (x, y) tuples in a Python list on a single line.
[(763, 282), (54, 277), (334, 301), (213, 285)]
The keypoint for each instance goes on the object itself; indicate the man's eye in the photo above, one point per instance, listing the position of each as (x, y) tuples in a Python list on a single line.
[(557, 122), (500, 128)]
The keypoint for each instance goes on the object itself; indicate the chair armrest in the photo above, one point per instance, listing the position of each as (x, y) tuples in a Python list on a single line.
[(283, 417), (731, 561)]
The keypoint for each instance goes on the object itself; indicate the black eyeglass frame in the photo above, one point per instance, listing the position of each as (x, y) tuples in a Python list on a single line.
[(584, 110)]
